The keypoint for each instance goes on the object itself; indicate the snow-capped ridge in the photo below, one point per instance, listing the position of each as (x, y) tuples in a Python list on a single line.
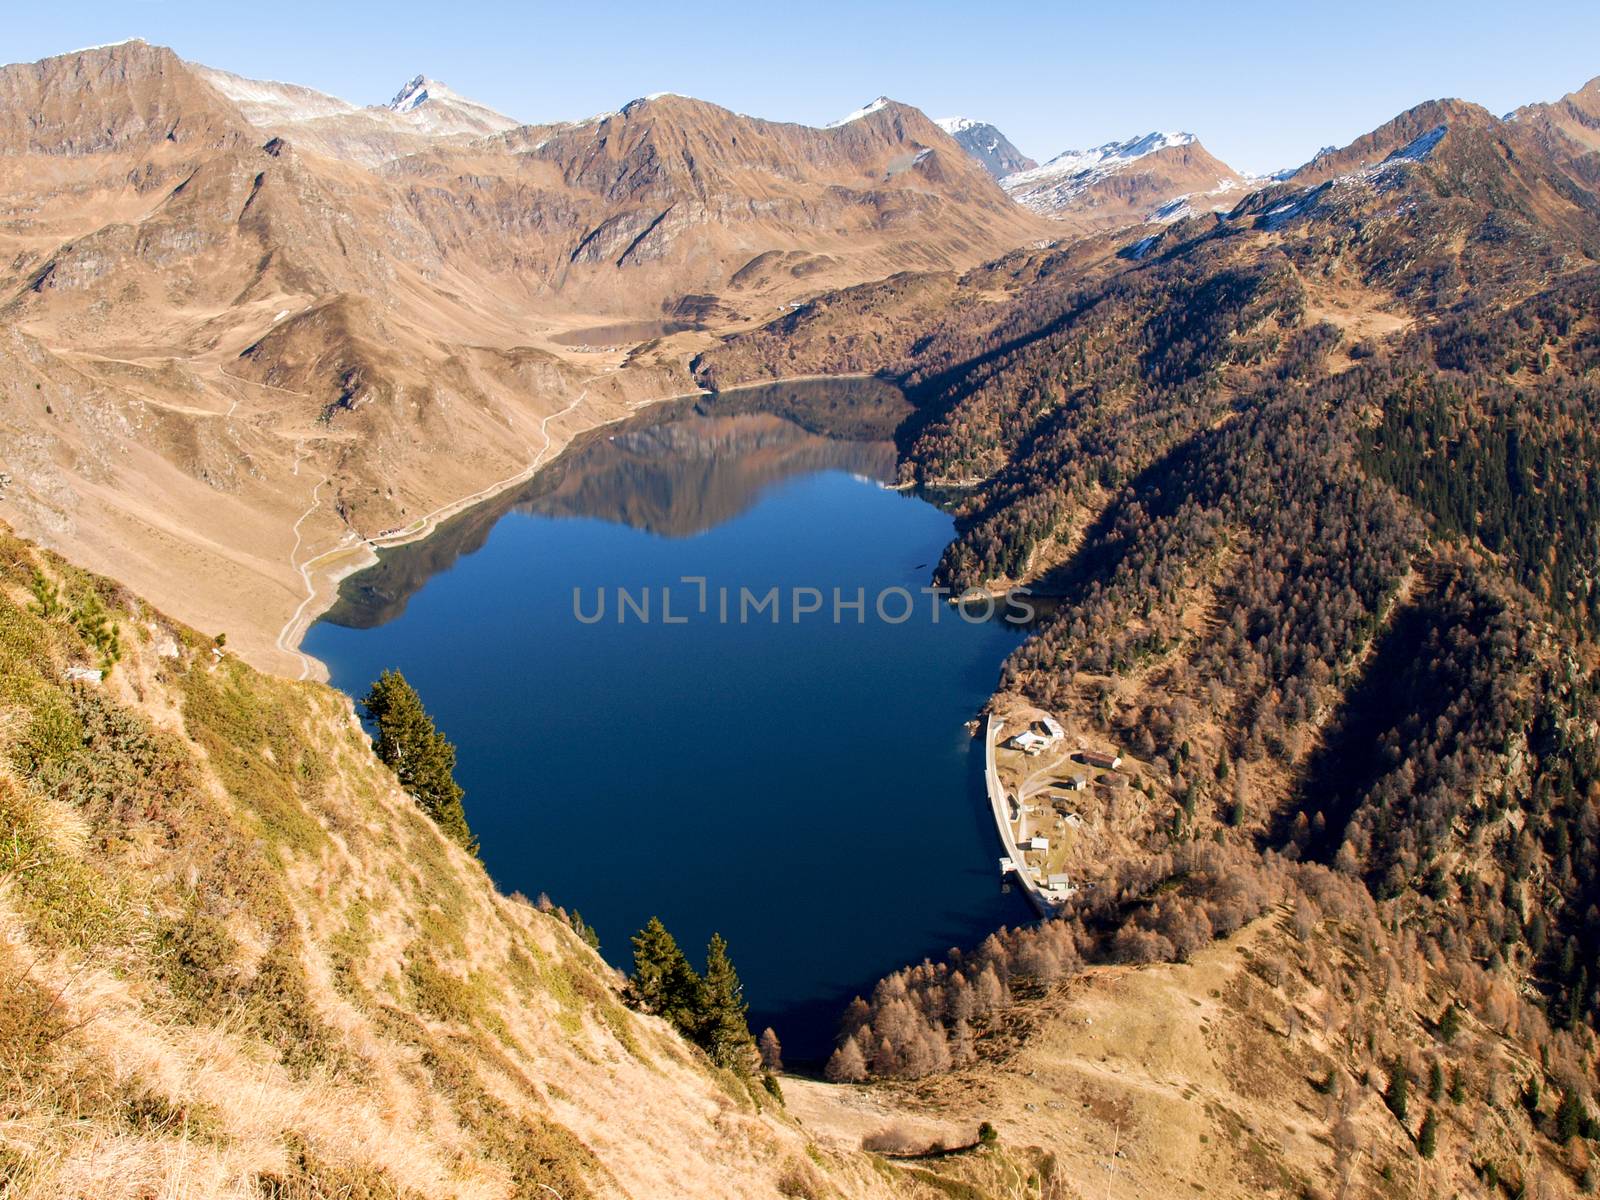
[(436, 110), (1110, 155), (269, 102), (865, 110), (1055, 184), (130, 41), (986, 145), (420, 90), (631, 105)]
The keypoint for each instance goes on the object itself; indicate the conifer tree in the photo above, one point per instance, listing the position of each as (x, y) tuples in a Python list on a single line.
[(585, 931), (663, 982), (46, 597), (1569, 1117), (1397, 1095), (724, 1032), (1428, 1136), (421, 757), (1450, 1023)]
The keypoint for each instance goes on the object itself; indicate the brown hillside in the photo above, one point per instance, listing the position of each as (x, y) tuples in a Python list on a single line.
[(228, 349)]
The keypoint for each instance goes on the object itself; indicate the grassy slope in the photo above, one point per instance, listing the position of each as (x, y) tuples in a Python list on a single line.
[(237, 961)]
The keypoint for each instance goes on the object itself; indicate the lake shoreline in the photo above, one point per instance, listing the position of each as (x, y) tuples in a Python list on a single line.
[(326, 572), (780, 490)]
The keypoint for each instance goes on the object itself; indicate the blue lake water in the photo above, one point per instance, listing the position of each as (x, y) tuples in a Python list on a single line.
[(806, 788)]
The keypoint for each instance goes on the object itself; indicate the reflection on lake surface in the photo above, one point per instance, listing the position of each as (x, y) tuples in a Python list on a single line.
[(805, 788)]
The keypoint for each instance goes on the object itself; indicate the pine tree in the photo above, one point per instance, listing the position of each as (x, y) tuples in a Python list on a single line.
[(1450, 1023), (421, 757), (1569, 1117), (1532, 1094), (771, 1050), (1428, 1136), (46, 597), (1398, 1093), (724, 1032), (663, 982), (1435, 1081), (95, 625)]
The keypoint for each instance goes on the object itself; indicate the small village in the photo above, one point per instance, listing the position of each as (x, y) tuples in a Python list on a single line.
[(1038, 785)]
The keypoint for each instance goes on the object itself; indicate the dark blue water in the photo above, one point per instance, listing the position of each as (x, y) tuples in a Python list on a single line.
[(806, 788)]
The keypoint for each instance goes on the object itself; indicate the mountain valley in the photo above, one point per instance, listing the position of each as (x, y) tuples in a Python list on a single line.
[(1303, 470)]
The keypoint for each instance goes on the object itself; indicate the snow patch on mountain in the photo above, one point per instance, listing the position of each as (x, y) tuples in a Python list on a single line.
[(424, 109), (1097, 162), (865, 110), (632, 105), (268, 102), (436, 110), (980, 135), (986, 145), (1052, 185), (1211, 200), (132, 41), (420, 90), (1420, 147)]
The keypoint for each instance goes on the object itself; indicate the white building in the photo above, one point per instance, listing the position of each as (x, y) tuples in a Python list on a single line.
[(1028, 742)]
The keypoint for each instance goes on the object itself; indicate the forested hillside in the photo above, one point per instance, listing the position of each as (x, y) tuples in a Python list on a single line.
[(1312, 486)]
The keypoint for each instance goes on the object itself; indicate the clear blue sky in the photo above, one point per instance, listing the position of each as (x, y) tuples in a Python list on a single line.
[(1264, 85)]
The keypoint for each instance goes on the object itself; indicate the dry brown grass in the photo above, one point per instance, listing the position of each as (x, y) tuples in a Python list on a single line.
[(238, 961)]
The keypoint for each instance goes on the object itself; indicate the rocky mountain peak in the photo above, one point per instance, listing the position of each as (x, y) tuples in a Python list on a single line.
[(987, 145)]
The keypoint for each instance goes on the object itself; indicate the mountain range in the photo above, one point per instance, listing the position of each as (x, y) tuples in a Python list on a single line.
[(273, 289)]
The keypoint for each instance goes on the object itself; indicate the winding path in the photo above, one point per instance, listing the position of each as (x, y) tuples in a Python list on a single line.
[(289, 636)]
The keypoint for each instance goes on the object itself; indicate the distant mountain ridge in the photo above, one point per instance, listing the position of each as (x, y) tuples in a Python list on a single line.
[(1155, 174), (421, 113), (1569, 128)]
